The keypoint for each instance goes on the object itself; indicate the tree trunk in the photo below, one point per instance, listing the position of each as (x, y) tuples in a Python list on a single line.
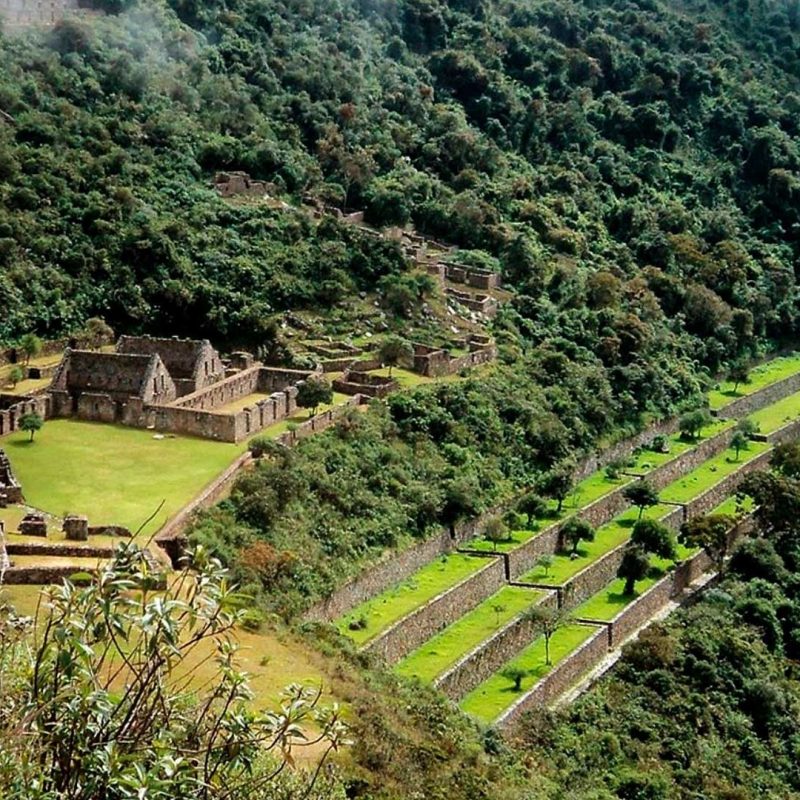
[(547, 650), (630, 584)]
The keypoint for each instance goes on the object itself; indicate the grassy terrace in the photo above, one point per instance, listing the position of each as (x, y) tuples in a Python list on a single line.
[(763, 375), (598, 485), (710, 473), (445, 649), (393, 604), (495, 694), (773, 417), (607, 537)]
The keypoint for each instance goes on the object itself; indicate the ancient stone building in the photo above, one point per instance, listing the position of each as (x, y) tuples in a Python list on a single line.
[(99, 386), (229, 184), (192, 364)]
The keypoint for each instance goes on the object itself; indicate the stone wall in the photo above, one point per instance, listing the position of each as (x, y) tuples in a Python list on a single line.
[(560, 678), (10, 490), (606, 508), (746, 405), (787, 433), (472, 276), (490, 655), (18, 407), (360, 382), (41, 575), (482, 303), (225, 391), (433, 362), (426, 621), (69, 550)]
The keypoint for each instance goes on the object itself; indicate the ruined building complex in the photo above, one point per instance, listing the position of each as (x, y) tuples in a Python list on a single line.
[(171, 385)]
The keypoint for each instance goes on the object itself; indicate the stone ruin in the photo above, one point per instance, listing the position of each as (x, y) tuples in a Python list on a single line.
[(33, 524), (76, 528), (360, 382), (10, 490), (231, 184), (173, 385), (35, 12)]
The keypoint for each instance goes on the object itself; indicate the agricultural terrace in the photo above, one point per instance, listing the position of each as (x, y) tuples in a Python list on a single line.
[(446, 648), (496, 693), (772, 418), (777, 369), (367, 620)]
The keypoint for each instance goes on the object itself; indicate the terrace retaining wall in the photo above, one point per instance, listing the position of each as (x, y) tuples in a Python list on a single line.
[(490, 655), (563, 675), (603, 510), (426, 621), (746, 405)]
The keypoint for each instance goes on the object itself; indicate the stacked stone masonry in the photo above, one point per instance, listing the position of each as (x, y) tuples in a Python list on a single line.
[(426, 621)]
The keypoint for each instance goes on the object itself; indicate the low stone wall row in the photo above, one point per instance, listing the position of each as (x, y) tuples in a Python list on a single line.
[(69, 550), (41, 575), (564, 675), (787, 433), (614, 633), (422, 623), (490, 655), (748, 404), (604, 509)]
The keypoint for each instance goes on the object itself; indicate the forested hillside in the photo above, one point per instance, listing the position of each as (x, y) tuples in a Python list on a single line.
[(633, 166)]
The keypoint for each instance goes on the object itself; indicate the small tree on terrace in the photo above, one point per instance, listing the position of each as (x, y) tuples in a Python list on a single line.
[(495, 531), (515, 675), (459, 502), (738, 374), (641, 494), (16, 375), (314, 391), (692, 423), (532, 506), (739, 442), (31, 423), (548, 621), (654, 537), (574, 532), (634, 567), (557, 482), (394, 351), (31, 346), (709, 532), (546, 562)]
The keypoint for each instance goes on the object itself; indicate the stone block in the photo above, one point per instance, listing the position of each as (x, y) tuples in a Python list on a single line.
[(33, 525), (76, 528)]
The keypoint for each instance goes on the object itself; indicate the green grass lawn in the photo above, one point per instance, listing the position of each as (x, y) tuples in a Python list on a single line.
[(606, 538), (777, 415), (763, 375), (494, 695), (455, 641), (710, 473), (112, 474), (393, 604)]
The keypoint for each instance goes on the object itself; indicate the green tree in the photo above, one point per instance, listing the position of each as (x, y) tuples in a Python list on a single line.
[(557, 482), (102, 711), (692, 423), (711, 532), (516, 675), (634, 567), (394, 351), (31, 423), (547, 621), (16, 375), (97, 331), (546, 562), (31, 346), (533, 506), (313, 392), (739, 374), (739, 442), (654, 537), (786, 459), (574, 531), (641, 494), (495, 530)]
